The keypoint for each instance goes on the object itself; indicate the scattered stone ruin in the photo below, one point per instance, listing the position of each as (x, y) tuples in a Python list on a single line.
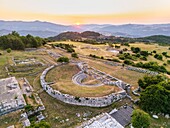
[(11, 98), (105, 79)]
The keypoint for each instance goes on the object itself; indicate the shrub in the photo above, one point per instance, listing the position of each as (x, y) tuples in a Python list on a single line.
[(9, 50), (74, 55), (144, 53), (143, 58), (116, 46), (63, 59), (168, 61), (128, 62)]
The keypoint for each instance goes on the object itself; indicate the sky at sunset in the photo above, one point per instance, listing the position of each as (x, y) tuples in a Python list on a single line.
[(87, 11)]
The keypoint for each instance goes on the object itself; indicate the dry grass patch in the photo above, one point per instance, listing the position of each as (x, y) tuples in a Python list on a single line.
[(62, 76), (127, 76), (90, 80), (87, 49)]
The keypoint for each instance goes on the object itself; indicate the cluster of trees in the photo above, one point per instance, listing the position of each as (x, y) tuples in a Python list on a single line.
[(155, 96), (152, 66), (158, 56), (137, 54), (124, 56), (17, 42), (138, 50), (134, 57), (67, 47), (95, 56)]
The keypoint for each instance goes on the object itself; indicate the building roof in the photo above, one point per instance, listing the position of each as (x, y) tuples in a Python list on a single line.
[(105, 121), (123, 115)]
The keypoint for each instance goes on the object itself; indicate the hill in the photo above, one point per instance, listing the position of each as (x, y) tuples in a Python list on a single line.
[(137, 30), (76, 36)]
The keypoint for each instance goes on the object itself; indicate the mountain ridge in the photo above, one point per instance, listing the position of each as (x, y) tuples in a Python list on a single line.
[(48, 29)]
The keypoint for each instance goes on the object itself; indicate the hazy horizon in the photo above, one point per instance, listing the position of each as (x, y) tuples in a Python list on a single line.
[(87, 12), (83, 23)]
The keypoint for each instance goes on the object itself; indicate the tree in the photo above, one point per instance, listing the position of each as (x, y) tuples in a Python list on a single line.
[(164, 53), (41, 124), (63, 59), (140, 119), (154, 51), (135, 50), (9, 50), (155, 98), (14, 33)]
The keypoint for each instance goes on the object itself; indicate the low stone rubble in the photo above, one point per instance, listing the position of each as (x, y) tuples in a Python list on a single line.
[(141, 70)]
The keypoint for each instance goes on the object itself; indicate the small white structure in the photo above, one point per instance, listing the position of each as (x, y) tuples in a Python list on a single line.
[(26, 123), (24, 116), (167, 116), (155, 116)]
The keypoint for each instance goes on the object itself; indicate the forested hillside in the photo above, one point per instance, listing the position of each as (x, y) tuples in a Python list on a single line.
[(161, 39)]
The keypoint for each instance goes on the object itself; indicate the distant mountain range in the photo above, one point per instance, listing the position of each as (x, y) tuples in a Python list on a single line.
[(47, 29)]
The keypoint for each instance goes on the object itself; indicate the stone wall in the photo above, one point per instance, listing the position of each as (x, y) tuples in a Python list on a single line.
[(82, 101), (141, 70)]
